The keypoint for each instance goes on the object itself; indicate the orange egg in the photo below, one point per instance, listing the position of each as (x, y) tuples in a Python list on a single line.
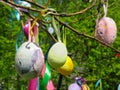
[(67, 67), (85, 87)]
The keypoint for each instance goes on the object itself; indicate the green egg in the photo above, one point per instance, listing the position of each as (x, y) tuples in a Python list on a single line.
[(57, 55)]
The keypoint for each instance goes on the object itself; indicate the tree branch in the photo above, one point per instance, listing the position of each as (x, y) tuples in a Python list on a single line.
[(43, 7), (88, 36)]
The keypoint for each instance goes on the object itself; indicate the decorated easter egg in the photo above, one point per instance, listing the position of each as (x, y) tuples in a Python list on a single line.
[(67, 68), (106, 30), (29, 60), (24, 3), (74, 86), (50, 30), (85, 87), (57, 55)]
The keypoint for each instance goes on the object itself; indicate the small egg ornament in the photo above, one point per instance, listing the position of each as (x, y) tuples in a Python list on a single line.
[(24, 3), (50, 29), (85, 87), (67, 68), (106, 30), (57, 55), (74, 86), (29, 60)]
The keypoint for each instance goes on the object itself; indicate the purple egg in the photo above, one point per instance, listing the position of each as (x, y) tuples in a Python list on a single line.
[(74, 86)]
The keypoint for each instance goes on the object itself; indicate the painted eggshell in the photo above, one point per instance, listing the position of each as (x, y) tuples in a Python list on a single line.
[(67, 68), (85, 87), (29, 60), (74, 86), (50, 30), (24, 3), (106, 30), (57, 55)]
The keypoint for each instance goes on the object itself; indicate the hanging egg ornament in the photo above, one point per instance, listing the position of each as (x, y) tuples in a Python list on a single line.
[(57, 55), (67, 68), (29, 60), (50, 29), (106, 30), (24, 3), (74, 86), (85, 87)]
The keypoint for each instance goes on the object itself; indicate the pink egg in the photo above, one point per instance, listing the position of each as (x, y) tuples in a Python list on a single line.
[(106, 30), (29, 60), (74, 86)]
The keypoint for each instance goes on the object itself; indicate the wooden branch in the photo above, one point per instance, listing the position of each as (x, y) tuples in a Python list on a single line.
[(43, 7), (88, 36), (11, 4), (76, 13)]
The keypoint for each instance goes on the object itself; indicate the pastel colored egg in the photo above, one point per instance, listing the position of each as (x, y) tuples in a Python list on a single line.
[(74, 86), (29, 60), (106, 30), (67, 68), (85, 87), (24, 3), (57, 55)]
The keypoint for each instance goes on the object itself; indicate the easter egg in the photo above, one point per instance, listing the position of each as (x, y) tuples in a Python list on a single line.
[(67, 68), (29, 60), (24, 3), (106, 30), (74, 86), (50, 30), (57, 55), (85, 87)]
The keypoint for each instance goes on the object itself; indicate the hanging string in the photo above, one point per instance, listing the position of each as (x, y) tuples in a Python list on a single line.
[(42, 12), (105, 7), (59, 82)]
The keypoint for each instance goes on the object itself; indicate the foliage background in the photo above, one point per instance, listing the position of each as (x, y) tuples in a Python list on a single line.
[(91, 59)]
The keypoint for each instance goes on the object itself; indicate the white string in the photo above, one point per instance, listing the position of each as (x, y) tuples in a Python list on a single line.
[(105, 7)]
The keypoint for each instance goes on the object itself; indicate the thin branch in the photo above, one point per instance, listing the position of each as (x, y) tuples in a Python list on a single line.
[(88, 36), (36, 4), (76, 13), (56, 14), (11, 4)]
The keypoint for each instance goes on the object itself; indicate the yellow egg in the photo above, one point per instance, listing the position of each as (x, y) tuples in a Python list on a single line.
[(67, 67)]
